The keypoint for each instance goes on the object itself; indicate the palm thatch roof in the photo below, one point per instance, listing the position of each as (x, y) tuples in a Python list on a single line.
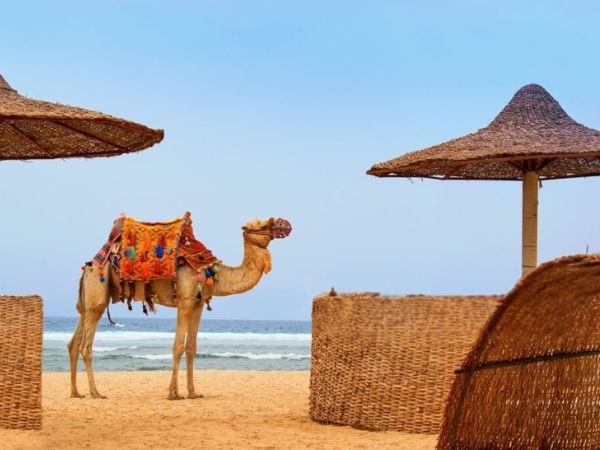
[(531, 133), (33, 129)]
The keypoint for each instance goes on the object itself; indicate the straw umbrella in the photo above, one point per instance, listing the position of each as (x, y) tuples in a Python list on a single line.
[(33, 129), (532, 139)]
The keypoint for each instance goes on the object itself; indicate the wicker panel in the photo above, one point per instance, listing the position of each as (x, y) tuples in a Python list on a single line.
[(387, 363), (21, 328), (532, 381)]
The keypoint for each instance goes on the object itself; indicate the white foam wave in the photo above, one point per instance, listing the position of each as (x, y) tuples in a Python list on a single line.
[(112, 336), (164, 356), (246, 355), (299, 337), (112, 349), (119, 336)]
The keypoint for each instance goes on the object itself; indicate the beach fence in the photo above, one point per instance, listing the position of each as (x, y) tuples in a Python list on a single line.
[(387, 363), (532, 381), (21, 329)]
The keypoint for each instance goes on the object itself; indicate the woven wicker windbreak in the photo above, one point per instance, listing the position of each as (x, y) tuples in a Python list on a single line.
[(532, 381), (532, 133), (33, 129), (387, 363), (21, 328)]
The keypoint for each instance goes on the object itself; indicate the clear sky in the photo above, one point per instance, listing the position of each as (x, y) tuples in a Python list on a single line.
[(278, 109)]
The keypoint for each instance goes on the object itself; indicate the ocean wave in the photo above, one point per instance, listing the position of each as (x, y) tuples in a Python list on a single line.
[(112, 349), (248, 355), (298, 337), (153, 357), (112, 336), (233, 355), (116, 336)]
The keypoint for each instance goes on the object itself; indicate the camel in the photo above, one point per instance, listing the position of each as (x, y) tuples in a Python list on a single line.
[(94, 297)]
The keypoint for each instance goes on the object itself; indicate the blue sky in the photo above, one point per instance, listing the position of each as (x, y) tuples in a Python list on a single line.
[(278, 109)]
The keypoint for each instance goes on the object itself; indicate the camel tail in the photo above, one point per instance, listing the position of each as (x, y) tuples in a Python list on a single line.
[(108, 275), (81, 297), (112, 322), (80, 300)]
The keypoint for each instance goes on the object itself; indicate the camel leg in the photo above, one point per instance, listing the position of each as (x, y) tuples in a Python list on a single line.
[(190, 347), (184, 311), (73, 347), (92, 305), (89, 331)]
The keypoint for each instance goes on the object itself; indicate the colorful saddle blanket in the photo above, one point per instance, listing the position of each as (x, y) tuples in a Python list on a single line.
[(143, 251), (149, 250)]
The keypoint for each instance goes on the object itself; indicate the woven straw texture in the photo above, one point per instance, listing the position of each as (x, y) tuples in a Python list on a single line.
[(532, 380), (532, 133), (387, 363), (33, 129), (21, 328)]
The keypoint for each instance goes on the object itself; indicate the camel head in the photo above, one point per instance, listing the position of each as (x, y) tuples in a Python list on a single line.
[(262, 232)]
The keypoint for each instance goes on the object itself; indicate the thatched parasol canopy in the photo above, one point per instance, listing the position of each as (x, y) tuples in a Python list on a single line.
[(532, 132), (33, 129), (531, 139)]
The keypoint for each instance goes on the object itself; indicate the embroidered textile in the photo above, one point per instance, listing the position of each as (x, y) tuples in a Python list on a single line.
[(149, 250), (193, 251), (115, 234)]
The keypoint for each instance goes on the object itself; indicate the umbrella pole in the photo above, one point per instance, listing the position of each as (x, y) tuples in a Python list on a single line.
[(530, 219)]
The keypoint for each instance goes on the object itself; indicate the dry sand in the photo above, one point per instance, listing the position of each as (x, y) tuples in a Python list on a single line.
[(240, 409)]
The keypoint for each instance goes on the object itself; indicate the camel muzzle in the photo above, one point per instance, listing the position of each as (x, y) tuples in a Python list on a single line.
[(281, 229)]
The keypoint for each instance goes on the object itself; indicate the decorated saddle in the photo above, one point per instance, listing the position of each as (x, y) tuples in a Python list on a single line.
[(144, 252)]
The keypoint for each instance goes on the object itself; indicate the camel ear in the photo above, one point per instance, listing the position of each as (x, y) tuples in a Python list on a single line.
[(248, 225)]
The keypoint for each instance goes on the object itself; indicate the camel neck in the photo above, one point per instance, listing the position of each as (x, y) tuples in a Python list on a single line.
[(235, 280)]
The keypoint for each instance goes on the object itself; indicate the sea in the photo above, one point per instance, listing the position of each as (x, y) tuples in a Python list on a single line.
[(145, 344)]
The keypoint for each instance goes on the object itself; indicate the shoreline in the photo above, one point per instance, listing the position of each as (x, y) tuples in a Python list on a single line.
[(240, 409), (225, 344)]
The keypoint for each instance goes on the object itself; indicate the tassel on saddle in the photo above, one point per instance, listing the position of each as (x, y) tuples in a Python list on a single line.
[(122, 291), (143, 252), (147, 298), (130, 296)]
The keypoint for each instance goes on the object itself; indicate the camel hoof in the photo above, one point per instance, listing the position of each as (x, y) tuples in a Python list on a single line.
[(194, 395), (97, 395), (174, 395), (77, 395)]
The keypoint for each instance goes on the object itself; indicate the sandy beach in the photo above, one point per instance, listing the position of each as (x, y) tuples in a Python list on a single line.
[(240, 409)]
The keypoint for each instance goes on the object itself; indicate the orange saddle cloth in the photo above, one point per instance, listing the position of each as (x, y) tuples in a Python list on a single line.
[(151, 251)]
